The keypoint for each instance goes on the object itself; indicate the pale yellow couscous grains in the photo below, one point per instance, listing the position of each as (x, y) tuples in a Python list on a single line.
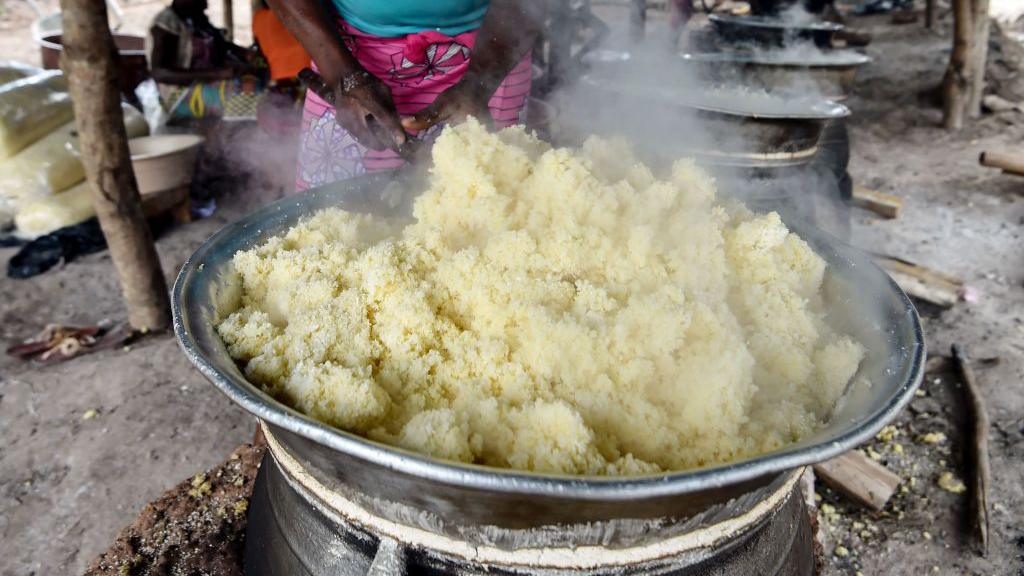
[(548, 309)]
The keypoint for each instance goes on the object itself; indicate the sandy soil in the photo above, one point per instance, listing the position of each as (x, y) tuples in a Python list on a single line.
[(69, 483), (965, 220)]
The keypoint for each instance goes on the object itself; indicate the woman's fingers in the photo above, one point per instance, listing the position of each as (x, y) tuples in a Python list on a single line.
[(353, 119), (424, 119), (383, 121)]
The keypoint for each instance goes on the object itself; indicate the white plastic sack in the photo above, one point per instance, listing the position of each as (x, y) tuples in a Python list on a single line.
[(31, 108), (11, 71), (45, 215), (52, 164)]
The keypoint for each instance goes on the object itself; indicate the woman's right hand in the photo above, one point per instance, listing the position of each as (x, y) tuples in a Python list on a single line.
[(362, 102), (363, 106)]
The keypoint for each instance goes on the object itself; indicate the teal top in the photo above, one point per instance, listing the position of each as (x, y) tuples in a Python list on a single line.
[(392, 18)]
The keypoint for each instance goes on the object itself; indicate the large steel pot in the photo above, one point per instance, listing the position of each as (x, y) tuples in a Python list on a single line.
[(724, 126), (828, 74), (445, 497)]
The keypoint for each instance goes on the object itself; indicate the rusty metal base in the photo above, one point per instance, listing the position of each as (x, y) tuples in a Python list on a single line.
[(288, 536)]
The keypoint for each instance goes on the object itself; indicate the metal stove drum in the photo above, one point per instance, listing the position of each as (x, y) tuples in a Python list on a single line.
[(331, 502)]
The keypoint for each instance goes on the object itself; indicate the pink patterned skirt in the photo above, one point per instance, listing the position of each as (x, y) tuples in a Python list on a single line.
[(417, 68)]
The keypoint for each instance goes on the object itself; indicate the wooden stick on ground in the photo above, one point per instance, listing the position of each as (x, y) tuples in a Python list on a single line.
[(860, 478), (1012, 163), (923, 283), (977, 449), (886, 205), (90, 64)]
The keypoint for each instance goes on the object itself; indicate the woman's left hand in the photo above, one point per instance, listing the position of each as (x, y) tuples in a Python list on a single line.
[(451, 106)]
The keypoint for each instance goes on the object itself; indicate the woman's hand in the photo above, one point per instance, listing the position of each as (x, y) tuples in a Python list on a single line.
[(364, 107), (362, 102), (451, 107), (499, 48)]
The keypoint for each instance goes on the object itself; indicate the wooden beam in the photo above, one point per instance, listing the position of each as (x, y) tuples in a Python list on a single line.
[(887, 205), (89, 61), (977, 449), (637, 20), (923, 283), (860, 478), (1012, 163)]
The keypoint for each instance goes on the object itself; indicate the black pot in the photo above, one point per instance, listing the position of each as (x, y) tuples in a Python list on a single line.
[(772, 31)]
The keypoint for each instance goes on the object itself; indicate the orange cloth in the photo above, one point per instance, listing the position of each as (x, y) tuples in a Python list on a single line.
[(282, 51)]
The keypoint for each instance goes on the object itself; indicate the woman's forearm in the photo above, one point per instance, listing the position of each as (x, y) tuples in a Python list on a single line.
[(505, 37), (311, 23)]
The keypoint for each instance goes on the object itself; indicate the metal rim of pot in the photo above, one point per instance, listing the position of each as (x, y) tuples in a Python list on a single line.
[(508, 481), (851, 60), (819, 109)]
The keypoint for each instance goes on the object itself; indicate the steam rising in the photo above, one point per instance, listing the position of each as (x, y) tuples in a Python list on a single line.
[(645, 93)]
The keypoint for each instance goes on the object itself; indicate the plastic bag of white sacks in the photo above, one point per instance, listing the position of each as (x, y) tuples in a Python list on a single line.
[(11, 71), (52, 163), (149, 96), (31, 108), (44, 215)]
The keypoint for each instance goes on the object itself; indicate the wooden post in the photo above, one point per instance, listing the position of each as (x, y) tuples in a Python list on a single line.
[(637, 20), (956, 84), (929, 14), (90, 65), (229, 19), (979, 56)]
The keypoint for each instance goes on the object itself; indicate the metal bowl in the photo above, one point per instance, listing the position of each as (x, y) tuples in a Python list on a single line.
[(768, 31), (723, 126), (831, 74), (415, 489)]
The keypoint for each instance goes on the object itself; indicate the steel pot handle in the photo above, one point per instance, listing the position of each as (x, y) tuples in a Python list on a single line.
[(389, 559)]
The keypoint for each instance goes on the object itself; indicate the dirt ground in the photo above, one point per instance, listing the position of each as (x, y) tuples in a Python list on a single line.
[(86, 444)]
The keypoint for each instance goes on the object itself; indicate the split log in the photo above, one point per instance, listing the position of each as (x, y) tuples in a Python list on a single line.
[(89, 61), (977, 449), (923, 283), (957, 83), (860, 478), (887, 205), (1012, 163)]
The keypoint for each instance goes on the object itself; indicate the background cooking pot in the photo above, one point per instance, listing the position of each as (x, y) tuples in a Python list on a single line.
[(768, 31)]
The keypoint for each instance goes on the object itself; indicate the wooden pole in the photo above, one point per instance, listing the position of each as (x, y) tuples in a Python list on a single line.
[(979, 56), (89, 62), (929, 14), (956, 85), (637, 20), (229, 19)]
